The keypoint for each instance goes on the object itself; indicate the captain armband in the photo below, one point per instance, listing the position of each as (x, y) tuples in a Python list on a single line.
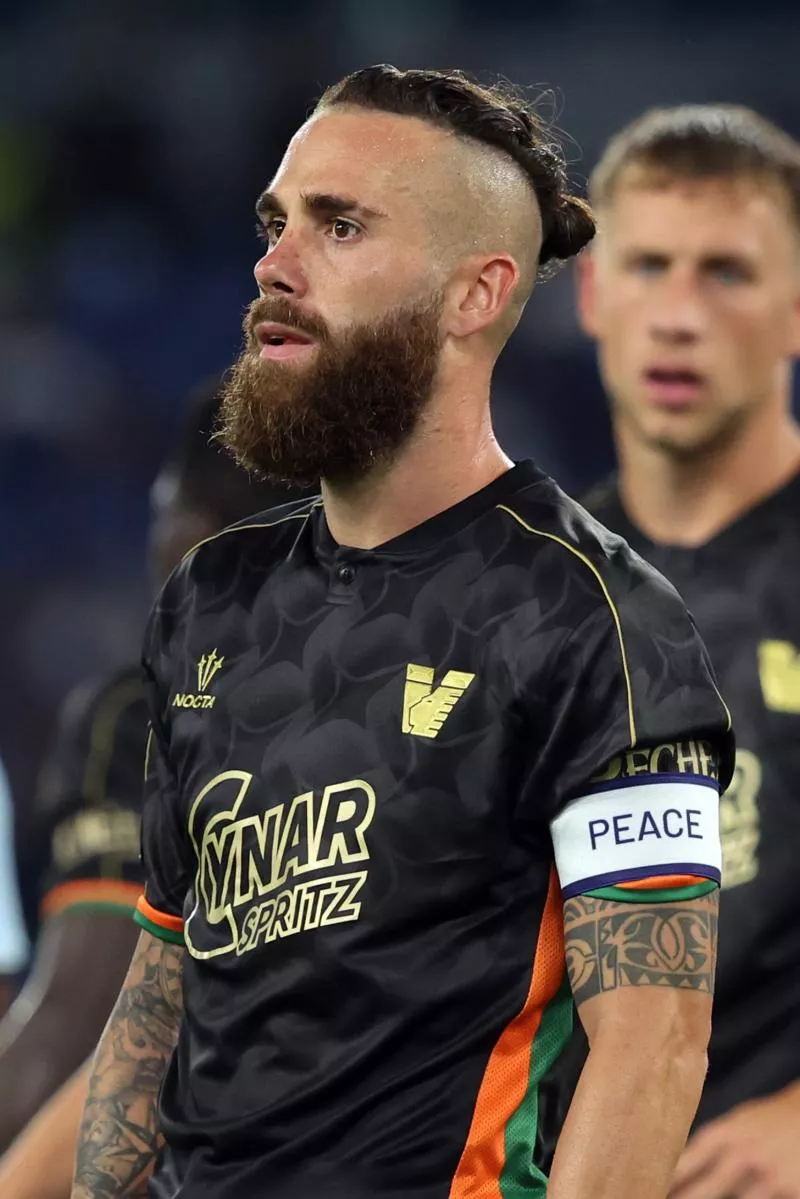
[(645, 839)]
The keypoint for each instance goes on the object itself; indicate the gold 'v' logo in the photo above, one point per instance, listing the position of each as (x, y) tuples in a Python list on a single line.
[(424, 709), (779, 672)]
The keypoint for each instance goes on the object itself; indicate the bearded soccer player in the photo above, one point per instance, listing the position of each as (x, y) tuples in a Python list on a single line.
[(692, 292), (380, 720)]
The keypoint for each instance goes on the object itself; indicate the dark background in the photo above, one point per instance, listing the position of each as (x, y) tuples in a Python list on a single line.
[(134, 138)]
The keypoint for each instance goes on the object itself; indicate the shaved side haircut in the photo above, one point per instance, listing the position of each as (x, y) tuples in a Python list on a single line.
[(502, 124)]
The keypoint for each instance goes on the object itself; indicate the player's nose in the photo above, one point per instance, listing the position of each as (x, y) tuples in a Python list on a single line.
[(679, 313), (281, 270)]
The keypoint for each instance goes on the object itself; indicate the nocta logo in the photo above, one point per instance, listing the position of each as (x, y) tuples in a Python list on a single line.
[(207, 668), (425, 709)]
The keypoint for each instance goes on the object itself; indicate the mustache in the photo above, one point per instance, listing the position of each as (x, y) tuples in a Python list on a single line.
[(279, 310)]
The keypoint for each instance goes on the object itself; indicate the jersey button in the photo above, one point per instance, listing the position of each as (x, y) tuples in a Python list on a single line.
[(345, 574)]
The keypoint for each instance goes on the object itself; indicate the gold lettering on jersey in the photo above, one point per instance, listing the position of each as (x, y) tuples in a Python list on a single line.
[(95, 832), (424, 709), (779, 672), (671, 757), (739, 822), (314, 904), (249, 881), (207, 667)]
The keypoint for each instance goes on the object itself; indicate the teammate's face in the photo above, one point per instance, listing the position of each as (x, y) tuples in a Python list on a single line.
[(692, 294), (342, 345)]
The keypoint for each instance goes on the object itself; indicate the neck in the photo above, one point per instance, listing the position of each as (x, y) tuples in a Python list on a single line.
[(686, 502), (447, 459)]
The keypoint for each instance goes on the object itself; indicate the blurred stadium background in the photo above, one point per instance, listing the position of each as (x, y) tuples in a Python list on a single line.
[(134, 138)]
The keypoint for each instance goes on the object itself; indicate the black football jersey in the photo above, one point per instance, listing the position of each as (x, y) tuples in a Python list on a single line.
[(742, 588), (89, 802), (364, 768)]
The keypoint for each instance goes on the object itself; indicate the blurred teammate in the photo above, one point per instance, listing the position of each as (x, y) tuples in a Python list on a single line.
[(371, 716), (91, 802), (13, 938), (693, 294)]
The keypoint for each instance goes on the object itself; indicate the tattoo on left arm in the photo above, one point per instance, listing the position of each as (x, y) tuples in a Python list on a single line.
[(610, 945)]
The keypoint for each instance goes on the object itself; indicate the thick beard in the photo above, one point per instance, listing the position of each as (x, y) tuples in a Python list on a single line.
[(347, 413)]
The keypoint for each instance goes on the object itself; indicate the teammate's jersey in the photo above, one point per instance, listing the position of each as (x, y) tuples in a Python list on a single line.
[(90, 798), (742, 588), (359, 766)]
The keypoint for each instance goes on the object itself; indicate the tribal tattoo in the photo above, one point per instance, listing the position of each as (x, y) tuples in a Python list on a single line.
[(610, 944), (118, 1138)]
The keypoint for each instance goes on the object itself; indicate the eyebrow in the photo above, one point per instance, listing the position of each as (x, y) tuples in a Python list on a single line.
[(319, 203)]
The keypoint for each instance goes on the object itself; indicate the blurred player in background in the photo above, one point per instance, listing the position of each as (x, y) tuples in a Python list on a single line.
[(692, 292), (13, 938), (373, 716), (91, 804)]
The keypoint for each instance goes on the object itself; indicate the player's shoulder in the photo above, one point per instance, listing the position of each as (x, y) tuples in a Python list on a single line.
[(586, 548), (264, 537)]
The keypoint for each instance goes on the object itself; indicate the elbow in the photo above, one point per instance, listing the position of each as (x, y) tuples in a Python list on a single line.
[(663, 1035)]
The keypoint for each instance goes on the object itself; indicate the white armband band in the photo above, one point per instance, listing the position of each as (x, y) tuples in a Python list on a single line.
[(639, 827)]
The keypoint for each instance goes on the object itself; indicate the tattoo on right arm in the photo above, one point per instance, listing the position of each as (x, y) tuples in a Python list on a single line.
[(118, 1139)]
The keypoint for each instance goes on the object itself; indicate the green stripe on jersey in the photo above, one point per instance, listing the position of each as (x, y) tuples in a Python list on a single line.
[(163, 934), (520, 1178), (656, 895)]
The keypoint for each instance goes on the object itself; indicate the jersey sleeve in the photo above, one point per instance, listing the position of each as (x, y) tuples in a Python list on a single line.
[(89, 800), (13, 938), (639, 747), (165, 849)]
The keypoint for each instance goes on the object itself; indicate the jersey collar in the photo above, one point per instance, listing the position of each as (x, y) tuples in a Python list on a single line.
[(432, 532)]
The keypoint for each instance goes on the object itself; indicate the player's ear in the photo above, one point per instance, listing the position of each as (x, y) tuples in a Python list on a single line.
[(480, 293), (794, 349), (586, 297)]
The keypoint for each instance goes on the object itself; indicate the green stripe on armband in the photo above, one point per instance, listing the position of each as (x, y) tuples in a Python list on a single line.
[(654, 895), (158, 930)]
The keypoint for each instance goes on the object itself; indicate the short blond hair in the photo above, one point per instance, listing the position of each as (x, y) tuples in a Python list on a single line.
[(700, 141)]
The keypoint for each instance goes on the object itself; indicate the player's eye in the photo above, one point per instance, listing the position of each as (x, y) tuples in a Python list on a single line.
[(729, 272), (343, 230), (269, 231), (648, 264)]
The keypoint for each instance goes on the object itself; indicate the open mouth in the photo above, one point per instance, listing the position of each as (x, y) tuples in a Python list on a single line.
[(282, 341), (673, 386)]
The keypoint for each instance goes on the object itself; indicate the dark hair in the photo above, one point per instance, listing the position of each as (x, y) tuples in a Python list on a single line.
[(496, 116), (209, 479), (701, 141)]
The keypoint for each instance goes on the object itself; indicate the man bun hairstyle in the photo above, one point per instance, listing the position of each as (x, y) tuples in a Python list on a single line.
[(700, 141), (496, 116)]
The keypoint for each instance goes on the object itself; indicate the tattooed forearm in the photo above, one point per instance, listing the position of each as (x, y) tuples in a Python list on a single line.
[(610, 945), (118, 1139)]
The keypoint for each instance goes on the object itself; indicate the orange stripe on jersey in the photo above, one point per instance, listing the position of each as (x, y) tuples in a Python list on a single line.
[(162, 919), (660, 882), (96, 892), (505, 1080)]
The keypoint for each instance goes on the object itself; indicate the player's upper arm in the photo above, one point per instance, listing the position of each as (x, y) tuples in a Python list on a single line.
[(638, 741), (643, 974)]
